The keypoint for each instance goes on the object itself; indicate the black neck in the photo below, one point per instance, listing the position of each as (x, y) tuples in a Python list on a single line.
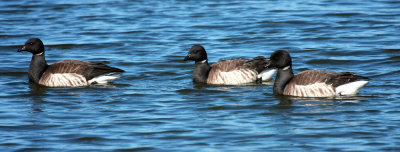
[(37, 67), (200, 71), (282, 78)]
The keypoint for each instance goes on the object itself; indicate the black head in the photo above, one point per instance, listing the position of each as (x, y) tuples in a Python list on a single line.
[(196, 53), (33, 45), (280, 59)]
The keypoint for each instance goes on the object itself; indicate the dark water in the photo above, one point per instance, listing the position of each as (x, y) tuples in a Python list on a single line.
[(156, 107)]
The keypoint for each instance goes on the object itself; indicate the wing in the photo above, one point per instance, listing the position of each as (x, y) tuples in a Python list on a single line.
[(344, 78), (68, 66), (230, 65), (257, 64), (312, 76), (324, 76)]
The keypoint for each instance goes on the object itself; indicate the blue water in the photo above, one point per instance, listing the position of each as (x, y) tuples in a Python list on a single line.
[(155, 106)]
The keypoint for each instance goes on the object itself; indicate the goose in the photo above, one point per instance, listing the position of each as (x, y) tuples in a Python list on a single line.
[(312, 83), (228, 72), (66, 73)]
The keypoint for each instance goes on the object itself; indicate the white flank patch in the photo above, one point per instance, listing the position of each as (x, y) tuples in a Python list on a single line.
[(103, 79), (64, 80), (267, 74), (351, 88), (236, 77)]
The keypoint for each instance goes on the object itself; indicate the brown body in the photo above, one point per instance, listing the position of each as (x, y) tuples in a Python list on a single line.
[(231, 72), (66, 73), (312, 83)]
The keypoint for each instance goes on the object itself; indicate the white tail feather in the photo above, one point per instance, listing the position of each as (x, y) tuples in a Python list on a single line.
[(103, 79), (351, 88), (267, 74)]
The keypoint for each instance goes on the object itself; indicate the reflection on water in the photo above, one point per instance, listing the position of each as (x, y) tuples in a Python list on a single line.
[(284, 100)]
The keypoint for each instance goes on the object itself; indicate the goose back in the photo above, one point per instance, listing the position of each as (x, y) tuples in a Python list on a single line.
[(67, 73)]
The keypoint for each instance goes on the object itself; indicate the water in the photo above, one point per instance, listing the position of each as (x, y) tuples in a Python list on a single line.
[(156, 107)]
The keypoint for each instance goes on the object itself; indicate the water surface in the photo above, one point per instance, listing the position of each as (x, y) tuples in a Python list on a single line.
[(155, 106)]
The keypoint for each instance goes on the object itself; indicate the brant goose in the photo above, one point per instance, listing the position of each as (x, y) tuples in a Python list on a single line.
[(312, 83), (66, 73), (231, 72)]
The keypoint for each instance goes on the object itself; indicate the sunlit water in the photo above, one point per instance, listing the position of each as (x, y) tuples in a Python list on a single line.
[(155, 106)]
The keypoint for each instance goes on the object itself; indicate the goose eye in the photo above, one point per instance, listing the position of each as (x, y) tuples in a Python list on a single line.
[(30, 43)]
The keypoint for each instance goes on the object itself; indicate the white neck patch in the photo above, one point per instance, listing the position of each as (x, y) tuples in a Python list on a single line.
[(40, 53), (204, 61), (286, 68)]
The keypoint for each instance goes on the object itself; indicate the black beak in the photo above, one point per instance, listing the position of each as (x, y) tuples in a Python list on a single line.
[(22, 49), (186, 58)]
